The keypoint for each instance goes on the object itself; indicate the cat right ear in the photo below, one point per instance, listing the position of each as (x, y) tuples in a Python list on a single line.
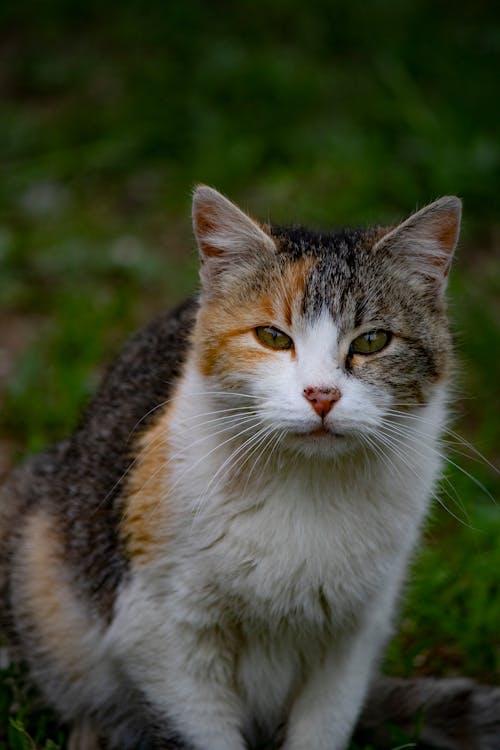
[(227, 237), (427, 240)]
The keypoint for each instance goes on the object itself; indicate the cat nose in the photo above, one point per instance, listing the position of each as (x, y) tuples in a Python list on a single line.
[(322, 399)]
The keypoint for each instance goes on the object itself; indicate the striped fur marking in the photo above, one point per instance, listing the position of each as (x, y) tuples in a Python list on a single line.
[(145, 524)]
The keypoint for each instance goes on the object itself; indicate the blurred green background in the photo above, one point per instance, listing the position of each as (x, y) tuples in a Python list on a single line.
[(323, 113)]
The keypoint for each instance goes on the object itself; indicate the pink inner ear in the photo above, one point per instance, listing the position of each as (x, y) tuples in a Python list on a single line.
[(205, 223), (428, 238), (447, 232)]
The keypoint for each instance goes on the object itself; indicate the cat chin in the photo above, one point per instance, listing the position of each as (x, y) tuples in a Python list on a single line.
[(319, 444)]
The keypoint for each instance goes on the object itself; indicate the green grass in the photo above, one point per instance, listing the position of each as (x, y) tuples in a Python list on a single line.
[(23, 726), (326, 113)]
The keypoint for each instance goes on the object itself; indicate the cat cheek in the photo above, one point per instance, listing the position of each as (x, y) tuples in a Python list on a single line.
[(361, 404), (228, 357)]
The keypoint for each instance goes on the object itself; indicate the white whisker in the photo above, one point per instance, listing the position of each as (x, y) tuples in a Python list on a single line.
[(458, 439), (230, 464), (393, 441), (403, 431)]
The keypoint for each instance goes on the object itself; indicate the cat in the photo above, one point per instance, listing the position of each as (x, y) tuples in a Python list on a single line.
[(213, 560)]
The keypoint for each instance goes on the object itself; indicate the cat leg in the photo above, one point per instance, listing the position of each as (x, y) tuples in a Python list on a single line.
[(204, 713), (205, 708), (324, 713), (83, 737), (186, 674)]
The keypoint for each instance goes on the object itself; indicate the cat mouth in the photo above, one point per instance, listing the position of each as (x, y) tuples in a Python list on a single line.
[(324, 432), (321, 433)]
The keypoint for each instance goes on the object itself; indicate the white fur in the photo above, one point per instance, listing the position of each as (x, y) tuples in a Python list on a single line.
[(276, 596)]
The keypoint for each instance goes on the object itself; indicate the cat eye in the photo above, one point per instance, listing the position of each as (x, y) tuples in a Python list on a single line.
[(273, 338), (370, 342)]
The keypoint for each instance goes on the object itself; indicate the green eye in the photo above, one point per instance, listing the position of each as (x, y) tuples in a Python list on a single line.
[(370, 342), (273, 338)]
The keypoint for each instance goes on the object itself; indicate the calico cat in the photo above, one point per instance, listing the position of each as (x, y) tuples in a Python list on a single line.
[(213, 560)]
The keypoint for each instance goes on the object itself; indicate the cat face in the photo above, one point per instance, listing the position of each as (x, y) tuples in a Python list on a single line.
[(323, 336)]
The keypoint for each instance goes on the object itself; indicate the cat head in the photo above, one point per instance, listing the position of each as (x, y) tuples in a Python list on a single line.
[(324, 333)]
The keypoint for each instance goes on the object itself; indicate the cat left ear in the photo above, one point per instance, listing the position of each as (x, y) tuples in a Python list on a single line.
[(427, 239), (224, 233)]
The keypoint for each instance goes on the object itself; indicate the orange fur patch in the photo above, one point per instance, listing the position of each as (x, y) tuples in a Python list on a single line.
[(232, 345), (145, 524), (223, 326), (58, 618), (292, 288)]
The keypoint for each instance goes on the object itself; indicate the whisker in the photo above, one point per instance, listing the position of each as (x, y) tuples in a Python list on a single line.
[(234, 414), (236, 436), (146, 415), (229, 394), (129, 468), (399, 432), (226, 420), (181, 478), (230, 464), (406, 432), (387, 460), (258, 448), (460, 440), (280, 435), (396, 447), (142, 452), (173, 457)]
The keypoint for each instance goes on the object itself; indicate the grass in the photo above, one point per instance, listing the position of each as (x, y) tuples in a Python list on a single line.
[(328, 114)]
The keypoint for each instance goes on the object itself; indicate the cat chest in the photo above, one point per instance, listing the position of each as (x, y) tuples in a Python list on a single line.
[(314, 565)]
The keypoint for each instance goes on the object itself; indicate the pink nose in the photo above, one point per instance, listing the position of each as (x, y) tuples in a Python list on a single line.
[(322, 399)]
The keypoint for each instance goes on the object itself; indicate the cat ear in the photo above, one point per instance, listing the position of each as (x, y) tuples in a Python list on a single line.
[(427, 240), (225, 234)]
